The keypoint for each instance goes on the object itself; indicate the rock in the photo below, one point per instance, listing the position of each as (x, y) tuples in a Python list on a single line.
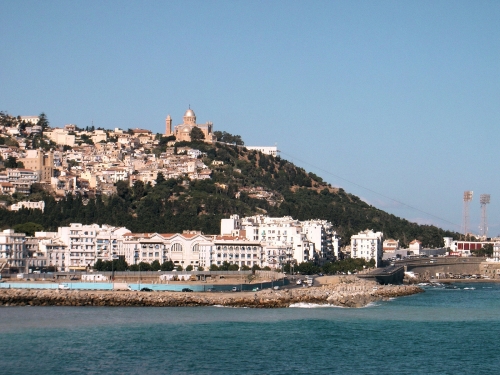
[(358, 293)]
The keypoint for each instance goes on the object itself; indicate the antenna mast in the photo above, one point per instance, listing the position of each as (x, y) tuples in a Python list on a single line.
[(484, 199)]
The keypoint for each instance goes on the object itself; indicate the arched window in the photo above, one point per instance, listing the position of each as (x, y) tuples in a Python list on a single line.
[(177, 247), (196, 248)]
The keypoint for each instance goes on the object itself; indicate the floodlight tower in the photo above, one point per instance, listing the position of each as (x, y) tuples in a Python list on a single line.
[(484, 199), (465, 221)]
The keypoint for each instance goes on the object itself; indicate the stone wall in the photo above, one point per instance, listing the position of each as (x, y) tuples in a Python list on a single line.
[(350, 292)]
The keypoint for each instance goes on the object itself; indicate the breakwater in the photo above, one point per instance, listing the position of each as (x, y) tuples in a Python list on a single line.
[(348, 293)]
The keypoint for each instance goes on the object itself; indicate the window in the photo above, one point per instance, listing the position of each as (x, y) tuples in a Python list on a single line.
[(177, 247)]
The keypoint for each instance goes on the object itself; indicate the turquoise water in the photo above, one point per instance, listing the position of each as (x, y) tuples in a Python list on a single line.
[(442, 331)]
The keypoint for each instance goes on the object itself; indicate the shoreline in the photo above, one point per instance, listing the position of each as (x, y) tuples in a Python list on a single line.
[(348, 292), (464, 281)]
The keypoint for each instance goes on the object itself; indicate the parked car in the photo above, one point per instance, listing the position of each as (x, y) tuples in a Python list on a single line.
[(146, 289), (235, 289), (255, 289), (211, 290), (187, 290)]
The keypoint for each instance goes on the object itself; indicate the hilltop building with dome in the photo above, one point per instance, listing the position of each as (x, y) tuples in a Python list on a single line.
[(182, 131)]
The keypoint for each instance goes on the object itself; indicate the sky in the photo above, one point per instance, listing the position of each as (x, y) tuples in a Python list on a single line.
[(396, 102)]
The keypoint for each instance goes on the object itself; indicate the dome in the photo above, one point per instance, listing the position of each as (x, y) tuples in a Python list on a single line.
[(189, 113)]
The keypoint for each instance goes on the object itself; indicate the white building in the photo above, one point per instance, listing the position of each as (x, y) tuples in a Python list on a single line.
[(391, 245), (31, 119), (12, 248), (496, 252), (79, 246), (234, 250), (61, 137), (367, 245), (40, 205), (285, 238), (415, 246), (267, 150), (183, 249)]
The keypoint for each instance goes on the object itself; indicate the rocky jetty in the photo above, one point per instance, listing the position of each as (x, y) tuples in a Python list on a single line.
[(347, 293)]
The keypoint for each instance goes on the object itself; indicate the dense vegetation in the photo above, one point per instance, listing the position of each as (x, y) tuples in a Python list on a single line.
[(175, 205)]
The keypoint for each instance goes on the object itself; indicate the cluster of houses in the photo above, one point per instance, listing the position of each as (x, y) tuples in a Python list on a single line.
[(88, 169), (250, 241), (89, 162)]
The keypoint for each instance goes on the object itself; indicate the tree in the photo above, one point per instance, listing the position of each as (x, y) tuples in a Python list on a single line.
[(98, 265), (196, 134), (233, 267), (485, 251), (138, 189), (167, 266), (160, 178), (122, 189), (11, 162), (143, 266), (213, 267), (307, 268), (229, 138), (43, 121), (189, 268), (29, 228), (155, 265)]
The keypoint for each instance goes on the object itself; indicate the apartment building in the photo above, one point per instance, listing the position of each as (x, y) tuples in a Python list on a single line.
[(368, 245), (13, 248), (285, 237)]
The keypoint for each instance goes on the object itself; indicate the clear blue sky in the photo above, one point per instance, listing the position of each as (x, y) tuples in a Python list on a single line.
[(399, 98)]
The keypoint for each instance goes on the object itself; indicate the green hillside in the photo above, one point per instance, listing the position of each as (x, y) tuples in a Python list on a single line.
[(247, 183)]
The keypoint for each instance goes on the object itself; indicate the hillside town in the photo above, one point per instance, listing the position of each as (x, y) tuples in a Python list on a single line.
[(90, 161)]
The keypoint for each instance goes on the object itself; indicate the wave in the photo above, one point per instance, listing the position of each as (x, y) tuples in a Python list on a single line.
[(304, 305), (375, 304)]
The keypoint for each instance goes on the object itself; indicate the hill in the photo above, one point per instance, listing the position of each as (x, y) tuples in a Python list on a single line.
[(243, 182)]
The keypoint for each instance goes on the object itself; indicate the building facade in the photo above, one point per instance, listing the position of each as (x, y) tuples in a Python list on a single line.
[(12, 248), (368, 245), (285, 238)]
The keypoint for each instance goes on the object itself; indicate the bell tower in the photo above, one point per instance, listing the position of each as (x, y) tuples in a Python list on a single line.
[(168, 126)]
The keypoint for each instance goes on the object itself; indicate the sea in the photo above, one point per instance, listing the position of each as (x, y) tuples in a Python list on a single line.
[(452, 329)]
